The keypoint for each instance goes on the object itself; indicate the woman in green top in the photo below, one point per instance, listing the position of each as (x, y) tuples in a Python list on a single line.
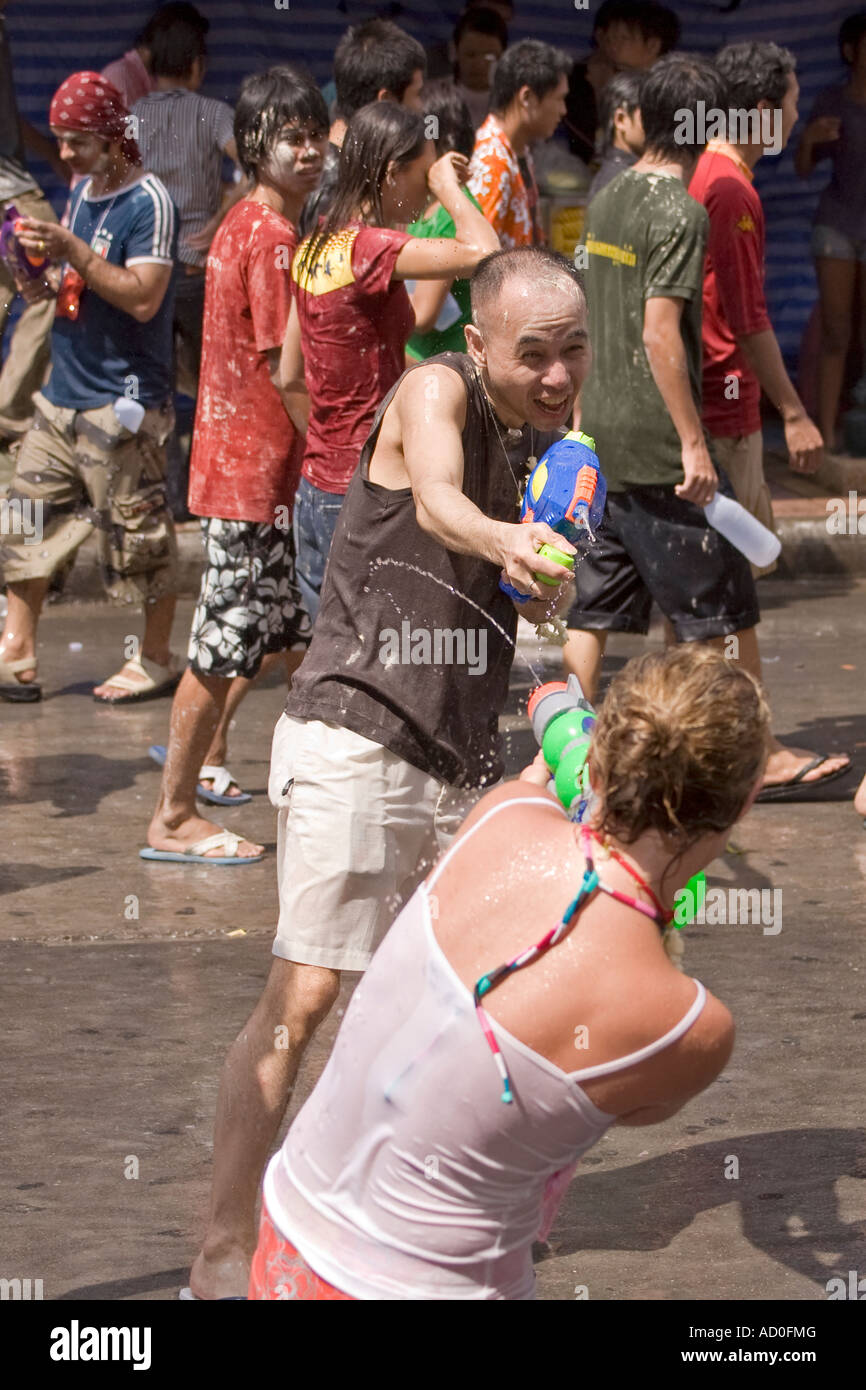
[(441, 306)]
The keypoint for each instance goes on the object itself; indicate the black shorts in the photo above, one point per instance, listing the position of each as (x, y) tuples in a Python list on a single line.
[(653, 545)]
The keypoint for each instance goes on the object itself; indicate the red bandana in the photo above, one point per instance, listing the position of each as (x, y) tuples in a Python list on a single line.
[(86, 101)]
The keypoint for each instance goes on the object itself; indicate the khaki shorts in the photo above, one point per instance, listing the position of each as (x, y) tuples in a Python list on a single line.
[(358, 829), (80, 471), (742, 457)]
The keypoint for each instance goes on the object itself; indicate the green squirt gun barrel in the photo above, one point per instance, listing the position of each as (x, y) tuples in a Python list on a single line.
[(562, 721)]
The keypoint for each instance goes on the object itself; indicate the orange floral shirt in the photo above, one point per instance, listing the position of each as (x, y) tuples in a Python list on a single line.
[(507, 200)]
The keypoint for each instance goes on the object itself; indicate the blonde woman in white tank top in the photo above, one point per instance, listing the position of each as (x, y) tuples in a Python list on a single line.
[(439, 1138)]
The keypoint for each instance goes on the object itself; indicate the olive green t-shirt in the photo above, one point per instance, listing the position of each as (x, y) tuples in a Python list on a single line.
[(645, 238)]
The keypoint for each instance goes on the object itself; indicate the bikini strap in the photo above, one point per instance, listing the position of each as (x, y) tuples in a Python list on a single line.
[(590, 885)]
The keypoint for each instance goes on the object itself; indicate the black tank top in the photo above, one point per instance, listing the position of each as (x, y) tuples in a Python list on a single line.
[(398, 653)]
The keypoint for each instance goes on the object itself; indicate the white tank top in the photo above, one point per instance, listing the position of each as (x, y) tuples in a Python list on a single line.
[(404, 1176)]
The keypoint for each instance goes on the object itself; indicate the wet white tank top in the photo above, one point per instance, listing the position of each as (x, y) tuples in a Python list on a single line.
[(405, 1176)]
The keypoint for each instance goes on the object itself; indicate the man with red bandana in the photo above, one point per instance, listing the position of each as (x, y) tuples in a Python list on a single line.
[(94, 458)]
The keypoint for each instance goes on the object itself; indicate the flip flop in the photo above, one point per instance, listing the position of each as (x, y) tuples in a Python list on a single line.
[(156, 680), (187, 1296), (223, 839), (220, 776), (15, 691), (795, 788)]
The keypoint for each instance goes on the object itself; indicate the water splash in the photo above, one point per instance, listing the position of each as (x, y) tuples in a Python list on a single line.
[(383, 560)]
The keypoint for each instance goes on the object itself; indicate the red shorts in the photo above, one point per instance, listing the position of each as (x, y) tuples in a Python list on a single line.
[(279, 1272)]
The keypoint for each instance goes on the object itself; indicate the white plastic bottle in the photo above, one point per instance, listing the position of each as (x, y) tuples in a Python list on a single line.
[(743, 530)]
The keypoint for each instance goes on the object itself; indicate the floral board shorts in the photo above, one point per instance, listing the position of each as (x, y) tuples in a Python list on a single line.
[(249, 602)]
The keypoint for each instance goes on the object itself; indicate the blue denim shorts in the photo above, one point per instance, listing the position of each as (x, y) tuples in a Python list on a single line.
[(836, 246), (314, 520)]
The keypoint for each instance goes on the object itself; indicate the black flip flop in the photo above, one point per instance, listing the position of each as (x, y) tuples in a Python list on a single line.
[(796, 789), (21, 693)]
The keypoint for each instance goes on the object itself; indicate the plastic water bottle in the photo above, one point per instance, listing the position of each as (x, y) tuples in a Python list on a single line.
[(744, 531)]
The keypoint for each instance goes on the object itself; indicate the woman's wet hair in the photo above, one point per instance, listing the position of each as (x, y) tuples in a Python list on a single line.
[(681, 738), (284, 95), (378, 136)]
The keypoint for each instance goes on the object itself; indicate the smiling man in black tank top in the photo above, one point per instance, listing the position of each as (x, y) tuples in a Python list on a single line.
[(391, 727)]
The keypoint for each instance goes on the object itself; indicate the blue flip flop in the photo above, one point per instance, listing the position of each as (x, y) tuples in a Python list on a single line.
[(223, 839), (220, 776)]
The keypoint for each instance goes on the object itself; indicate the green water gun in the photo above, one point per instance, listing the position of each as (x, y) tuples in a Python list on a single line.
[(563, 720)]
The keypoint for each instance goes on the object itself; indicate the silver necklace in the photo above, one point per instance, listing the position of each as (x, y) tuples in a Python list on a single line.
[(519, 488)]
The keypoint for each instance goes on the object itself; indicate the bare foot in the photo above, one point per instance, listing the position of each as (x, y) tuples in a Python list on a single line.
[(860, 799), (188, 832), (784, 763), (226, 1275)]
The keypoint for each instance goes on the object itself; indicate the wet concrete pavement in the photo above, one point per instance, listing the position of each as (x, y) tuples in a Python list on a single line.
[(123, 983)]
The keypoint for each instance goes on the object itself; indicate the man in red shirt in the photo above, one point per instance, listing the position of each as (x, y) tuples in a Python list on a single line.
[(246, 458), (740, 352)]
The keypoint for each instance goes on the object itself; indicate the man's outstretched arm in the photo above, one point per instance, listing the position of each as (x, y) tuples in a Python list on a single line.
[(431, 407)]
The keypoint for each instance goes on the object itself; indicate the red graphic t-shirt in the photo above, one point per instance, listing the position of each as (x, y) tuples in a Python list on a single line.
[(734, 303), (246, 454), (354, 326)]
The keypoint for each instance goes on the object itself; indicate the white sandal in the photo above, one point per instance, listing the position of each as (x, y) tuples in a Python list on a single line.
[(222, 779), (223, 839), (15, 691), (155, 680), (220, 776)]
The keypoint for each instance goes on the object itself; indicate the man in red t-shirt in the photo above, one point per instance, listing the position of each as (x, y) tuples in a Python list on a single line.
[(740, 352), (245, 463)]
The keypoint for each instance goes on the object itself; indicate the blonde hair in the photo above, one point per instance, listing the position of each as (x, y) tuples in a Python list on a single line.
[(681, 738)]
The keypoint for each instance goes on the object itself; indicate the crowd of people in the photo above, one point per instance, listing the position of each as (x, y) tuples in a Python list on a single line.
[(380, 345)]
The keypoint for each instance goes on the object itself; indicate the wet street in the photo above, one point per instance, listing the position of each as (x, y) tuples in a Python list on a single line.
[(123, 984)]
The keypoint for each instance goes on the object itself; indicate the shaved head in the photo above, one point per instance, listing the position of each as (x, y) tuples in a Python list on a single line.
[(528, 336), (535, 271)]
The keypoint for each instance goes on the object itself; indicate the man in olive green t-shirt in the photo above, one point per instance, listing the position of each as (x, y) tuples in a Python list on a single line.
[(645, 242), (660, 258)]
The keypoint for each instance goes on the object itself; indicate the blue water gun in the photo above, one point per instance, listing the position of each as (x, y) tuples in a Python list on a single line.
[(566, 489)]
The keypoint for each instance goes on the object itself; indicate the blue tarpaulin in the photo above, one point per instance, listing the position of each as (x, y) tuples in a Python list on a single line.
[(51, 38)]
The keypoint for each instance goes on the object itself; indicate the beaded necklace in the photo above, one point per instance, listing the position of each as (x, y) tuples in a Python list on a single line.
[(590, 884)]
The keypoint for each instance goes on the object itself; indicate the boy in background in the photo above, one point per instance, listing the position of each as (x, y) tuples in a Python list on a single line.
[(245, 459), (623, 129)]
